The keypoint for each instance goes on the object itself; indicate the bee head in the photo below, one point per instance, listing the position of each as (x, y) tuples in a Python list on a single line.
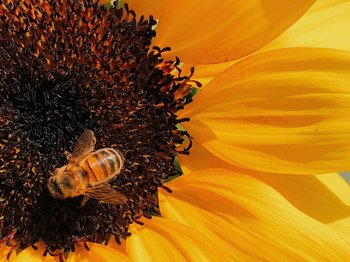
[(54, 188), (64, 184)]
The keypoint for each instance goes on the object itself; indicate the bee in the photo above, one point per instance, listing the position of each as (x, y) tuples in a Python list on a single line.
[(88, 173)]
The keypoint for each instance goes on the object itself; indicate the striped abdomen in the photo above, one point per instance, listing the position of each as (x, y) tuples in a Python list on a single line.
[(102, 165)]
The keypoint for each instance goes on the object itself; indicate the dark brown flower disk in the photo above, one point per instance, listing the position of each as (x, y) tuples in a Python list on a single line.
[(67, 66)]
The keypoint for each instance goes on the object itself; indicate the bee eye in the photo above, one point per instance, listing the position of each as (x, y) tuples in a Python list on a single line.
[(53, 184)]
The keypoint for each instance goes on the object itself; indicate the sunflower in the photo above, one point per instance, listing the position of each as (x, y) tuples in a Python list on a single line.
[(268, 129)]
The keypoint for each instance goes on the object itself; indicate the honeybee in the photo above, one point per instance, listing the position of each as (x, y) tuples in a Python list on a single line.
[(88, 173)]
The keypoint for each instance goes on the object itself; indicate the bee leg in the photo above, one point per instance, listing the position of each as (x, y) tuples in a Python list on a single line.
[(68, 155), (84, 201)]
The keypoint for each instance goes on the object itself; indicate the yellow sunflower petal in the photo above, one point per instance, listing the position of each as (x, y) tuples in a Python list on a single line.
[(205, 73), (31, 255), (212, 31), (286, 111), (298, 190), (4, 251), (340, 188), (164, 240), (251, 220), (97, 253), (326, 24), (147, 7), (200, 158), (119, 247), (337, 185), (325, 198)]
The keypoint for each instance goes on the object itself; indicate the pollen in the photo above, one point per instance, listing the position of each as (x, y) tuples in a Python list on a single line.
[(68, 66)]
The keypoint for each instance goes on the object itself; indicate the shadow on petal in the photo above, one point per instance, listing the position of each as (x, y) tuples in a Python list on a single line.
[(310, 195), (283, 112), (326, 198), (274, 229)]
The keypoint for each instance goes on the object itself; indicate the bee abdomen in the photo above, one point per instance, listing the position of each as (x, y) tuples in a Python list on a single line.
[(115, 159), (102, 164)]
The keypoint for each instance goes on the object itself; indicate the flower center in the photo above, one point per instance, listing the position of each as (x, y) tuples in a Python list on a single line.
[(65, 67)]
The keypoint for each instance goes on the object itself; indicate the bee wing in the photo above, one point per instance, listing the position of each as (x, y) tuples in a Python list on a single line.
[(84, 145), (104, 193)]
